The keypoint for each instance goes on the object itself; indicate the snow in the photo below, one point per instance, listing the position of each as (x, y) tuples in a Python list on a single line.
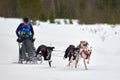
[(104, 63)]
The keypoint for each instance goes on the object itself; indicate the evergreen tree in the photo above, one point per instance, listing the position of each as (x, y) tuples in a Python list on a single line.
[(87, 11), (43, 17), (52, 17), (29, 8)]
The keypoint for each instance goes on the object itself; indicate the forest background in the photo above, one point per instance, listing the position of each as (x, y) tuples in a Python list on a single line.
[(86, 11)]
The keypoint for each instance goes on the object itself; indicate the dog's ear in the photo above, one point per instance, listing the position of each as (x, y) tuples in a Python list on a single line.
[(52, 48)]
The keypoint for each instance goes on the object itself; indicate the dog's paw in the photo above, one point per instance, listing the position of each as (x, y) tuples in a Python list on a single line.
[(87, 62)]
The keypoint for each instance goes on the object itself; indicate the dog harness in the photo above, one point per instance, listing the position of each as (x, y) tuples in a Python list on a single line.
[(70, 52), (43, 49), (86, 53)]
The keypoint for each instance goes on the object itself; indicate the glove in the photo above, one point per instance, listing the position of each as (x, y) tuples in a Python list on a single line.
[(32, 39), (19, 40)]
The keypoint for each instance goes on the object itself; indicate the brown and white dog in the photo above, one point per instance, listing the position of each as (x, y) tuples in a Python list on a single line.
[(84, 53)]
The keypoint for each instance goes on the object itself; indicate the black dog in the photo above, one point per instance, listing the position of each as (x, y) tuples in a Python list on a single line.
[(45, 51), (70, 52)]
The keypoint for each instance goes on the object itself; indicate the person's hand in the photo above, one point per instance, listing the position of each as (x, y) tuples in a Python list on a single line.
[(19, 40)]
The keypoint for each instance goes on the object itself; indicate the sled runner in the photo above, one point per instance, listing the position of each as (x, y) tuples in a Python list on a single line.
[(25, 58)]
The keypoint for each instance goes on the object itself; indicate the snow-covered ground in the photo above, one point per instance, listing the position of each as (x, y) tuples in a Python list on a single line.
[(104, 63)]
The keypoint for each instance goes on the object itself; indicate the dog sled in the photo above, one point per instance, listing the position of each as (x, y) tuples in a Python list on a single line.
[(43, 52), (26, 58)]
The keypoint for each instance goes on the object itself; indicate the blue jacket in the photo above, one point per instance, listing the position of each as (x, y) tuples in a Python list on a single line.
[(25, 31)]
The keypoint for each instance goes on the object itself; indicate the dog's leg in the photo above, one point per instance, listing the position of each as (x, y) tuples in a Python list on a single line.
[(85, 64), (69, 64), (69, 61), (49, 62), (72, 62), (88, 61), (76, 61)]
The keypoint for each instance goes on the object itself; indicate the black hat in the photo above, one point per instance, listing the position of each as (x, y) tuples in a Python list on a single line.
[(26, 20)]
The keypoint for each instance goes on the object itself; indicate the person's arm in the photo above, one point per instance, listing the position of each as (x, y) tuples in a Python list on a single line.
[(18, 28), (32, 31)]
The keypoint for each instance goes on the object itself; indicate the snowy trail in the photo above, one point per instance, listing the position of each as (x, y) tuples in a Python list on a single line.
[(104, 63), (59, 72)]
